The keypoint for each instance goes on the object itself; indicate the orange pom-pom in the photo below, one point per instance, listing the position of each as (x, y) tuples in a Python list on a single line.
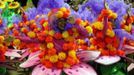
[(70, 61), (47, 64), (59, 64), (49, 39), (130, 20), (113, 52), (72, 46), (58, 35), (66, 14), (101, 44), (15, 33), (108, 40), (42, 21), (42, 54), (106, 12), (99, 34), (65, 46), (24, 30), (78, 21), (121, 52), (105, 53), (52, 51)]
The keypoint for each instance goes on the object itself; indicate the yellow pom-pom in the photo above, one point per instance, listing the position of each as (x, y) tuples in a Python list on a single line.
[(16, 42), (53, 59), (66, 65), (2, 39), (61, 55), (51, 32), (31, 34), (91, 39), (92, 47), (128, 28), (50, 45), (80, 41), (59, 14), (27, 23), (110, 33), (45, 24), (70, 38), (72, 53), (82, 23), (24, 30), (63, 9), (65, 34), (114, 15), (89, 29), (98, 25), (46, 57)]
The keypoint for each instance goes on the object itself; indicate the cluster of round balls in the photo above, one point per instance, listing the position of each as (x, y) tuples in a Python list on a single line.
[(55, 37), (105, 39)]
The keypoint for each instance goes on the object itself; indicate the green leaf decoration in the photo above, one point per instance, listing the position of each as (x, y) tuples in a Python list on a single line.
[(119, 68), (2, 71)]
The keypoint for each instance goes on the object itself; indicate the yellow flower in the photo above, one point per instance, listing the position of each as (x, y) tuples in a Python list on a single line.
[(2, 5), (59, 14), (13, 5), (65, 34), (16, 42), (53, 59), (89, 29), (72, 53), (50, 45), (82, 23), (63, 9), (80, 41), (110, 33), (31, 34), (98, 25), (51, 32), (128, 28), (66, 65), (61, 55)]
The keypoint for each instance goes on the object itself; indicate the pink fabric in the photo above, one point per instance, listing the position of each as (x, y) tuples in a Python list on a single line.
[(34, 54), (108, 60), (24, 55), (81, 69), (42, 70), (30, 62), (128, 49), (12, 54), (36, 70), (88, 55)]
